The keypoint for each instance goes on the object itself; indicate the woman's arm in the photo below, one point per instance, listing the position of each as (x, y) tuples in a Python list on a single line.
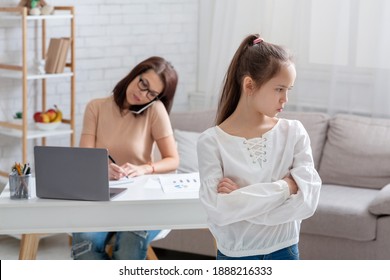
[(168, 163), (115, 172), (87, 141), (161, 132), (169, 155)]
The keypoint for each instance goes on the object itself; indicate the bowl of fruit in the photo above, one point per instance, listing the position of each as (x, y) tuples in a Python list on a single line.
[(48, 120)]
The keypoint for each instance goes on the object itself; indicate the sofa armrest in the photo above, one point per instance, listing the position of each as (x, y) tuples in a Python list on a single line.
[(381, 204)]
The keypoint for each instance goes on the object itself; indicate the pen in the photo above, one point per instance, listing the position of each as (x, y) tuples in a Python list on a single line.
[(110, 157), (114, 162)]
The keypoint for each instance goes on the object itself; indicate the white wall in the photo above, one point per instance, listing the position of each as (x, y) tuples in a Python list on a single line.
[(340, 50), (111, 37)]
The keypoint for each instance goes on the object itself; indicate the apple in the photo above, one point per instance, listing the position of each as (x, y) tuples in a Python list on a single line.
[(41, 117), (51, 113), (45, 118), (38, 117)]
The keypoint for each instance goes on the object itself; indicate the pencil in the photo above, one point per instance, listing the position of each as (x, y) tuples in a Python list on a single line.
[(114, 162)]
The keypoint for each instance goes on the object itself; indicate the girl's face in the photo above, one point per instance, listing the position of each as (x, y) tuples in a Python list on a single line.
[(272, 96), (144, 88)]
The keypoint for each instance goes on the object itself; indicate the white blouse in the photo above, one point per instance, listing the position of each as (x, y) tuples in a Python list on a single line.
[(261, 216)]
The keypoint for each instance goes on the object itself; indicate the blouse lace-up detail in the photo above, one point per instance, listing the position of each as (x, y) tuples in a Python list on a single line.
[(257, 149)]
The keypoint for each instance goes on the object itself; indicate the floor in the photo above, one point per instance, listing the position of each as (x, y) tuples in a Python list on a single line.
[(56, 247)]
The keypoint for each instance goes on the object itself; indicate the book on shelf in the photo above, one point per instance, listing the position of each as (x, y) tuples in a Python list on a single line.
[(64, 48), (56, 55), (52, 55)]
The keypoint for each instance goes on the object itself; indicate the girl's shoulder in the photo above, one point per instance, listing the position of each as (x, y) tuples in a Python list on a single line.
[(207, 139), (291, 125), (217, 136), (289, 122), (208, 134)]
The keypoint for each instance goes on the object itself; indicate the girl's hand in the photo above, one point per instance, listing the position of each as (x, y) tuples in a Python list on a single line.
[(291, 184), (226, 186)]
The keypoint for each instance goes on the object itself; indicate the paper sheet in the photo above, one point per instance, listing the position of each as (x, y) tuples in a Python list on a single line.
[(152, 182), (186, 182), (127, 181)]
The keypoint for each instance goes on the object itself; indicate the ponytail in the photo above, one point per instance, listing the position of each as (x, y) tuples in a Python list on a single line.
[(254, 58)]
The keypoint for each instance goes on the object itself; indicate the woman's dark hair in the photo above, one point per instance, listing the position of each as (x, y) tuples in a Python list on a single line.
[(163, 69), (259, 60)]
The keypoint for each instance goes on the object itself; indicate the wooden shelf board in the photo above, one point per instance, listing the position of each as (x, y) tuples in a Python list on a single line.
[(33, 76), (41, 17)]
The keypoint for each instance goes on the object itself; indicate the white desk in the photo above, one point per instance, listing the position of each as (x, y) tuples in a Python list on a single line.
[(141, 207)]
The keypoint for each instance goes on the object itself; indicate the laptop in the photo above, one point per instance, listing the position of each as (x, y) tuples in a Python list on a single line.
[(73, 173)]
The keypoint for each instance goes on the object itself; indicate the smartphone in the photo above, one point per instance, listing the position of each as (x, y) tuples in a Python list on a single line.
[(137, 109)]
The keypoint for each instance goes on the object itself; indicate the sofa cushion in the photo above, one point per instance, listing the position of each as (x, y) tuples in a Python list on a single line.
[(342, 212), (316, 125), (186, 145), (187, 128), (357, 152), (381, 204), (197, 121)]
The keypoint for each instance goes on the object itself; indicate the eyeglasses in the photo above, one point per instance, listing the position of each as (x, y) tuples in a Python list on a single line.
[(144, 86)]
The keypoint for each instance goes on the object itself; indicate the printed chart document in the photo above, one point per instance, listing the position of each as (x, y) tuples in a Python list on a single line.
[(185, 182)]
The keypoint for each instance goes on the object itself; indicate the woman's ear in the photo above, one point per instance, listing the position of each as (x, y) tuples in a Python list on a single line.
[(248, 85)]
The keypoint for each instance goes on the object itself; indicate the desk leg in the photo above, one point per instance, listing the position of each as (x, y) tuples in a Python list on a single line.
[(150, 254), (29, 247)]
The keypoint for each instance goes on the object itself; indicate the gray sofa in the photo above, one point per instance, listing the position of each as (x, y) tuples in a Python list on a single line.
[(352, 155)]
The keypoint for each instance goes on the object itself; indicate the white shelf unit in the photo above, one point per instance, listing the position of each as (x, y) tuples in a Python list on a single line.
[(24, 131), (34, 133)]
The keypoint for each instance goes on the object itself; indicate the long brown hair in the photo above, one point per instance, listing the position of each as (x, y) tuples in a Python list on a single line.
[(260, 60), (163, 69)]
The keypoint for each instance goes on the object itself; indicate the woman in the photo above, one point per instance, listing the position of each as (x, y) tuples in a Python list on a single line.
[(127, 123)]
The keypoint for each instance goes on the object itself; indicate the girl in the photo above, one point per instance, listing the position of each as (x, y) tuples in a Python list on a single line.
[(257, 173), (127, 123)]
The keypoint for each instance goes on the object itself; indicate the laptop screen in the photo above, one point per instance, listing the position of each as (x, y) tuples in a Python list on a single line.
[(71, 173)]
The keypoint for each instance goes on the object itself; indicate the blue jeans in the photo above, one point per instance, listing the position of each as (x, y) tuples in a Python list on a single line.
[(129, 245), (289, 253)]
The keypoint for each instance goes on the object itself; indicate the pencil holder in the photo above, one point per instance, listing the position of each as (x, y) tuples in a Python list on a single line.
[(19, 186)]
